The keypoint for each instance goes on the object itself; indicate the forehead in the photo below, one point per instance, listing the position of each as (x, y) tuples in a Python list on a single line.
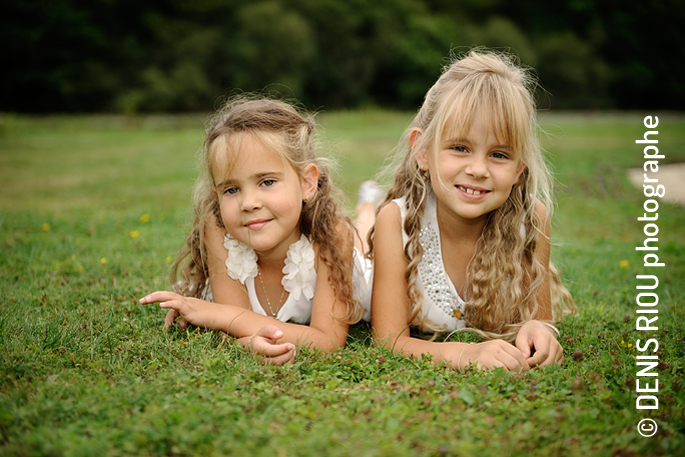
[(482, 122), (245, 154)]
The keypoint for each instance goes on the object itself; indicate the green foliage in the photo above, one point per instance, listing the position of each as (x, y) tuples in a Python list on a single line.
[(175, 55), (93, 209)]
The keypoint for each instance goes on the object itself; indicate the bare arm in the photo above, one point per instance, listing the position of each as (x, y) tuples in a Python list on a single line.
[(534, 334), (391, 308), (231, 311)]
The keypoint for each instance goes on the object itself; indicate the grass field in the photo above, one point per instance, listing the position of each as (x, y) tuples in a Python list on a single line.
[(93, 209)]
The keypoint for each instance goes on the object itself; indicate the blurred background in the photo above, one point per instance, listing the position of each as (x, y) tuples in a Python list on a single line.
[(135, 56)]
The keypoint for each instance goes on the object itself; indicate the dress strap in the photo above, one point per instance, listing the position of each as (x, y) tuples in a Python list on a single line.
[(437, 283)]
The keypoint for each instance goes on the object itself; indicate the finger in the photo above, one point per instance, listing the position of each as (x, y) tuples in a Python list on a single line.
[(170, 318), (159, 296), (276, 350), (514, 359), (548, 350), (555, 355), (271, 332), (541, 357), (175, 305), (523, 345), (560, 358), (288, 357)]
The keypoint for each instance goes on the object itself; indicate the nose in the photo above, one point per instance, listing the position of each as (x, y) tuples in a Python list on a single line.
[(478, 166), (249, 200)]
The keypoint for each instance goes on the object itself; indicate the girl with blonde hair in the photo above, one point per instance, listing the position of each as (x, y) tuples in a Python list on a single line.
[(462, 240), (270, 258)]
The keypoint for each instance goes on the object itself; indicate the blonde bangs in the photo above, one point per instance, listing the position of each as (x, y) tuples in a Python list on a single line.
[(491, 96)]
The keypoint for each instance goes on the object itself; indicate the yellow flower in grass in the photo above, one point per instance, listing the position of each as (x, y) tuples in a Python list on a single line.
[(623, 264), (134, 233), (145, 218), (103, 260), (45, 227), (169, 259)]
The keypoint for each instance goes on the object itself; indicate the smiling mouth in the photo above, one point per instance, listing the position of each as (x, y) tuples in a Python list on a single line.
[(258, 224), (472, 191)]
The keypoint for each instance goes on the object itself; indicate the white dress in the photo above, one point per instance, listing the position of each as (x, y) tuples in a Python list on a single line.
[(442, 305), (299, 279)]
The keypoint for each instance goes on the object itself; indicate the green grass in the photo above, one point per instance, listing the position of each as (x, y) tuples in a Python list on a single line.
[(86, 370)]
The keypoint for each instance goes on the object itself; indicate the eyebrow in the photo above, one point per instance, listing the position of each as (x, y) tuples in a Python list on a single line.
[(466, 141), (255, 177)]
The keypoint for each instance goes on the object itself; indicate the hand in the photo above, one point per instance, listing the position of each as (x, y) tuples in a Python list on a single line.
[(264, 343), (171, 319), (536, 335), (492, 354), (179, 306)]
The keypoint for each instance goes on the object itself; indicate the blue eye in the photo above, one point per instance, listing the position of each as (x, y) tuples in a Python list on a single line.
[(500, 155), (459, 148)]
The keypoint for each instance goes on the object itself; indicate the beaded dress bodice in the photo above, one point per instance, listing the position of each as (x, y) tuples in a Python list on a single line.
[(442, 305)]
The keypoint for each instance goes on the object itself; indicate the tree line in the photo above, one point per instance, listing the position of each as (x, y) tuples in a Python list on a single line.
[(180, 55)]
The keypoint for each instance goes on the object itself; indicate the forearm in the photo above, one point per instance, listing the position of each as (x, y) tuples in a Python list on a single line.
[(414, 347), (242, 323)]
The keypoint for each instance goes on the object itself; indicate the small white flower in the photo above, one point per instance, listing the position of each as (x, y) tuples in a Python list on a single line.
[(299, 270), (241, 263)]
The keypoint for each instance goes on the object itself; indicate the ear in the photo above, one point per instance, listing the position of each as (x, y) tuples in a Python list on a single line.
[(519, 169), (310, 181), (420, 156)]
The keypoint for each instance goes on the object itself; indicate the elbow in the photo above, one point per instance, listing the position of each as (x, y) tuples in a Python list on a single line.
[(332, 347), (386, 340), (325, 343)]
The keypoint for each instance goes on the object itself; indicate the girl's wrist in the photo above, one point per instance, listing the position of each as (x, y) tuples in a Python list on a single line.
[(466, 345), (540, 324), (246, 341)]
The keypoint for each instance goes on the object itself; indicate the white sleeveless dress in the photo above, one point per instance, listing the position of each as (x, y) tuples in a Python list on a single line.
[(442, 305), (299, 279)]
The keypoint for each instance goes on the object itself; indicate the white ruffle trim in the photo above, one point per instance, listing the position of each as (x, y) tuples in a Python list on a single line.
[(299, 270), (299, 279), (241, 263)]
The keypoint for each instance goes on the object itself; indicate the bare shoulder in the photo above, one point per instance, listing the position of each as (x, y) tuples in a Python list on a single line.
[(214, 237), (541, 210), (389, 218)]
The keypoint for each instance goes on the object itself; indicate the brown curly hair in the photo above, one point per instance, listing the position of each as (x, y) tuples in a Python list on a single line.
[(289, 133)]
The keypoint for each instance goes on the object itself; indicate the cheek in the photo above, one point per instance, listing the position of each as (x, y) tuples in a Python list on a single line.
[(229, 210)]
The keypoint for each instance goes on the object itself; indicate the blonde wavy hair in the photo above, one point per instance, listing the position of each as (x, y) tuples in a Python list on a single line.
[(504, 274), (289, 133)]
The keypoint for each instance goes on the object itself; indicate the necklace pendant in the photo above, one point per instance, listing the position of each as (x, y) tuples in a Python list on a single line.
[(266, 296)]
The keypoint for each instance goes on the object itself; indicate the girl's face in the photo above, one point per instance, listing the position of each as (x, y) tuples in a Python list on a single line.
[(261, 196), (472, 174)]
